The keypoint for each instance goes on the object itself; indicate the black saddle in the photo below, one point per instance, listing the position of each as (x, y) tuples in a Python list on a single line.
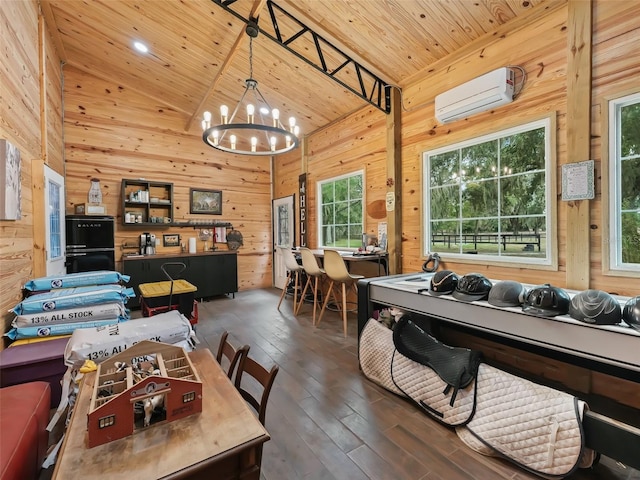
[(456, 366)]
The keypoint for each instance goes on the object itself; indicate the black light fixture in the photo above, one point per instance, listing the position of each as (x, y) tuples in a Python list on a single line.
[(262, 133)]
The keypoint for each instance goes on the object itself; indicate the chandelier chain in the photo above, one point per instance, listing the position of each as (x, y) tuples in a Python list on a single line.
[(250, 57)]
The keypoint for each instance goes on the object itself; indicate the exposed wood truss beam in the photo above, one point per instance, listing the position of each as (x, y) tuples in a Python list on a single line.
[(366, 85), (45, 7), (255, 12)]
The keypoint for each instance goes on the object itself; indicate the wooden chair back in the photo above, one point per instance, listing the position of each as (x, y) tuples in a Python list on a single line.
[(263, 376), (232, 354)]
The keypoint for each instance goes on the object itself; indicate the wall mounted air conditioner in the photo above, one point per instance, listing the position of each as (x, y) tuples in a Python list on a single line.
[(478, 95)]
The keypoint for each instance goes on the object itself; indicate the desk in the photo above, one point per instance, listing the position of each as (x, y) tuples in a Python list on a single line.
[(224, 441), (353, 257)]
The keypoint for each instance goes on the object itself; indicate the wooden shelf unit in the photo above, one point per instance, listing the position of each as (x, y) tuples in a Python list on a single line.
[(147, 199)]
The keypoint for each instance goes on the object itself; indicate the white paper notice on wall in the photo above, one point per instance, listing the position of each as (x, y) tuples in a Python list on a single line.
[(390, 201), (382, 235), (578, 181)]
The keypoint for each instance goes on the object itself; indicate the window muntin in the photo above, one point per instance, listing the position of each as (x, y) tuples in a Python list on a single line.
[(340, 217), (624, 183), (489, 196)]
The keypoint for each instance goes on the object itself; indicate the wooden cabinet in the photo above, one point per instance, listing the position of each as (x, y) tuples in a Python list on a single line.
[(146, 203), (213, 273)]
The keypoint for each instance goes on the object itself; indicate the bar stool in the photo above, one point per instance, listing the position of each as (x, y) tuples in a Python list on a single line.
[(314, 274), (337, 272), (294, 273)]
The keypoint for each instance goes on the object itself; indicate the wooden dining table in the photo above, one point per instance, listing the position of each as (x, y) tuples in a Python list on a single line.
[(224, 441)]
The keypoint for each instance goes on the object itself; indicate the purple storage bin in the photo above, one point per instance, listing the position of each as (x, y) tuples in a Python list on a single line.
[(39, 361)]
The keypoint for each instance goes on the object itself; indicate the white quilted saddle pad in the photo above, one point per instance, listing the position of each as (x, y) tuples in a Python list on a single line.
[(375, 352), (535, 426), (423, 385)]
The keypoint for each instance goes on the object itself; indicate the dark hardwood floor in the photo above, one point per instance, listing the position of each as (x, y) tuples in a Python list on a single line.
[(327, 421)]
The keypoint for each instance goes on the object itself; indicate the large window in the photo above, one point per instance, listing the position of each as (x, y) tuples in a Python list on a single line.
[(489, 197), (340, 219), (624, 183)]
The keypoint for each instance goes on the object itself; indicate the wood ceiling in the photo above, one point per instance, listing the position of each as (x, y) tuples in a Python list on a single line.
[(199, 54)]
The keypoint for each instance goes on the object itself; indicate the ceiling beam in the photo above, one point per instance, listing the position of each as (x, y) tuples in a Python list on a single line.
[(49, 19), (374, 91), (258, 5)]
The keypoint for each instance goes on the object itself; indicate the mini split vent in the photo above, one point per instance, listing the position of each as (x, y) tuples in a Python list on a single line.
[(490, 90)]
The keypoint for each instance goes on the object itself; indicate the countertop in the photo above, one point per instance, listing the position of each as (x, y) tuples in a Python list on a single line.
[(126, 257)]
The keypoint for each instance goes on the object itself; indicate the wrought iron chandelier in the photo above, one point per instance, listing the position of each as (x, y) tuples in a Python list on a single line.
[(262, 133)]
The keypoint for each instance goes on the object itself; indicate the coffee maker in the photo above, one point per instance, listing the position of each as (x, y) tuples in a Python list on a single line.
[(147, 243)]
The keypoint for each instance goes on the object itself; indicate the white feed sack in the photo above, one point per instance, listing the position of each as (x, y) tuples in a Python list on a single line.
[(104, 311), (101, 342)]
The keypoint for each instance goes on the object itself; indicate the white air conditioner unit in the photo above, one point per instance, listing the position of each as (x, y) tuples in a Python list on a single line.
[(478, 95)]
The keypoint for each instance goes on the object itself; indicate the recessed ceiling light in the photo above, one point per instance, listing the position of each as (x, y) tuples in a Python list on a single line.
[(141, 47)]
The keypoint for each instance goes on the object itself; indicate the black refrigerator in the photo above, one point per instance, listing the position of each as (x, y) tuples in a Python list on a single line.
[(90, 243)]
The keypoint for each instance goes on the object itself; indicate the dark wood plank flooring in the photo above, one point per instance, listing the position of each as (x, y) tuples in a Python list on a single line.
[(327, 421)]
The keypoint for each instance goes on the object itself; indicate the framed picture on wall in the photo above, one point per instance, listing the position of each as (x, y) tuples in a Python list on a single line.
[(171, 240), (205, 201), (10, 198)]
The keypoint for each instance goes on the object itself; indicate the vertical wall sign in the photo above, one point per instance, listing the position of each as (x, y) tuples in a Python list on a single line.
[(302, 189), (10, 198)]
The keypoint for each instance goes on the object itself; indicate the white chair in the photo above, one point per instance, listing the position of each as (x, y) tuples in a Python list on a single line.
[(337, 272), (314, 274), (294, 270)]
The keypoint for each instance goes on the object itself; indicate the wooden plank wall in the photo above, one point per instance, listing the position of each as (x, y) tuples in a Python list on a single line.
[(21, 123), (539, 45), (616, 72), (113, 133)]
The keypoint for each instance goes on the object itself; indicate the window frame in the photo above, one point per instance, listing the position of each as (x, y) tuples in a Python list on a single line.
[(319, 185), (612, 254), (550, 262)]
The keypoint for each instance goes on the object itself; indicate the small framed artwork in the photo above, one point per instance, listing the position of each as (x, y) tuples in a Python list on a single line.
[(205, 201), (10, 198), (171, 240)]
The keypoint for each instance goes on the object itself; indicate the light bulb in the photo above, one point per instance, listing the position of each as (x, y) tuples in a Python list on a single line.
[(232, 138), (292, 123), (275, 113), (204, 125), (224, 113), (296, 130), (250, 112), (215, 137), (254, 143), (273, 144), (288, 140)]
